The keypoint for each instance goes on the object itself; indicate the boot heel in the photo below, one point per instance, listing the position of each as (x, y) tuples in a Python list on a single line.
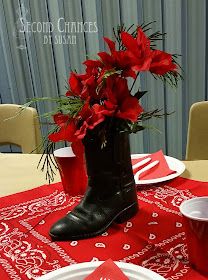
[(127, 213)]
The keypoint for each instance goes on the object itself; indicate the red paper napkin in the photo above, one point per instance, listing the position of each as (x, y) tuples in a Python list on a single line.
[(107, 270), (160, 170)]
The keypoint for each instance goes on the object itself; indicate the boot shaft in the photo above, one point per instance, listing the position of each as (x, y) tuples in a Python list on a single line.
[(109, 166)]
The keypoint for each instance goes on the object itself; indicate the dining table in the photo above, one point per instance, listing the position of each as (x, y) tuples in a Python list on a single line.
[(154, 238)]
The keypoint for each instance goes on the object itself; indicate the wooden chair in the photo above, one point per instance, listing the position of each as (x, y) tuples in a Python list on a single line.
[(197, 137), (22, 129)]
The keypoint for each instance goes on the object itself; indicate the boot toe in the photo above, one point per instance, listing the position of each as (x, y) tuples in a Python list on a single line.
[(62, 230), (66, 229)]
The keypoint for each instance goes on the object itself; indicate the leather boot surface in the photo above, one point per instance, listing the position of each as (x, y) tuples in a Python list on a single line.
[(111, 194)]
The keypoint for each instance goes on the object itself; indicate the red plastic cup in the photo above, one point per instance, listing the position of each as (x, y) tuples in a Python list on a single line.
[(195, 215), (72, 171)]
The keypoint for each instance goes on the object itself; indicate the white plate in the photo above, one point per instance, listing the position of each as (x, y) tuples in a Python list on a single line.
[(173, 163), (81, 270)]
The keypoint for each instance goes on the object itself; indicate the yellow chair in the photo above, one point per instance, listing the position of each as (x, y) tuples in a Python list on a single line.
[(197, 138), (22, 129)]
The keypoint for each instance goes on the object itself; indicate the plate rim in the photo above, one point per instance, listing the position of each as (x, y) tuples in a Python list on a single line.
[(162, 179), (95, 264)]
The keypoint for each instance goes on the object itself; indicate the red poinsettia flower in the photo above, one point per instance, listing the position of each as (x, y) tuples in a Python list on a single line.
[(128, 106), (106, 109), (66, 131), (130, 109), (138, 49), (91, 118), (161, 63), (118, 60), (119, 102), (75, 84), (92, 66), (60, 119), (85, 85)]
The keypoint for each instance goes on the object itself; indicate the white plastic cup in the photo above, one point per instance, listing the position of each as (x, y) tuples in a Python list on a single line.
[(195, 216)]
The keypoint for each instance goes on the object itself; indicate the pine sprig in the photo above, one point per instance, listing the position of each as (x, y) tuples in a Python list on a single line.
[(47, 158), (70, 105), (48, 162), (133, 29), (171, 78), (156, 113), (145, 116)]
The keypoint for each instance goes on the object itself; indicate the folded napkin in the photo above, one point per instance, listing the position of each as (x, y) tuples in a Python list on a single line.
[(107, 270), (160, 170)]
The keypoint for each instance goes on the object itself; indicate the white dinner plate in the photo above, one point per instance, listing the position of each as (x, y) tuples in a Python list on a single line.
[(82, 270), (173, 163)]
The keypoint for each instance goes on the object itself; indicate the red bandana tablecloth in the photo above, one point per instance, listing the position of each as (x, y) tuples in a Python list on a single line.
[(154, 238)]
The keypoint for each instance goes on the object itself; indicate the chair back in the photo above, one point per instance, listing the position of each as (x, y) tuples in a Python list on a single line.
[(21, 129), (197, 137)]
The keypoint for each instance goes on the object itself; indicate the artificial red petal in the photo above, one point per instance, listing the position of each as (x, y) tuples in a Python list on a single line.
[(94, 119), (60, 119), (120, 89), (107, 109), (111, 44), (107, 59), (144, 65), (65, 133), (56, 136), (138, 50), (75, 84), (162, 63), (110, 106), (93, 63), (69, 93), (85, 93), (123, 60), (130, 109), (85, 111), (90, 81), (128, 41), (80, 133), (129, 73), (142, 39)]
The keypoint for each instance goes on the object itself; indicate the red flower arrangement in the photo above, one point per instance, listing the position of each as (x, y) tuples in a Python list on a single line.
[(102, 92)]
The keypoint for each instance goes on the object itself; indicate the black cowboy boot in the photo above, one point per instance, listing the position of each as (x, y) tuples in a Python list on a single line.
[(111, 194)]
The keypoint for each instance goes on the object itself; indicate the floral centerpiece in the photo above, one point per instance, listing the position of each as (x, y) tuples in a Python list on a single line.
[(96, 115), (102, 91)]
